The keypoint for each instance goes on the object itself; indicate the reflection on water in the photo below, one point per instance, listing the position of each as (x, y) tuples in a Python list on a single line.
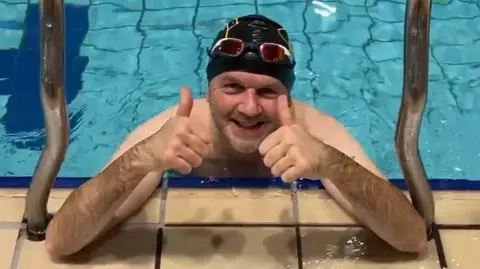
[(231, 193), (323, 9), (268, 248), (352, 250), (348, 248)]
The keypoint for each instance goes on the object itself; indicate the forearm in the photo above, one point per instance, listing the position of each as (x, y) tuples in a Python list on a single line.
[(378, 203), (89, 209)]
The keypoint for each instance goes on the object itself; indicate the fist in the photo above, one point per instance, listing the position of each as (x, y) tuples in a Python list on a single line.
[(184, 143), (291, 152)]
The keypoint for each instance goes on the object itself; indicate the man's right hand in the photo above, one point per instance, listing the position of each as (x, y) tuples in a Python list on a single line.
[(182, 143)]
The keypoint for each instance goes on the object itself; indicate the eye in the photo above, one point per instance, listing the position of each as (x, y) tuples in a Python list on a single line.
[(267, 92), (233, 88)]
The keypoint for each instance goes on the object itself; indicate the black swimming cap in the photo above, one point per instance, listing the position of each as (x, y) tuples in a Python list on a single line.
[(253, 29)]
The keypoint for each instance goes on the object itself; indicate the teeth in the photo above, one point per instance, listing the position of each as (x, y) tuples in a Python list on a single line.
[(248, 125)]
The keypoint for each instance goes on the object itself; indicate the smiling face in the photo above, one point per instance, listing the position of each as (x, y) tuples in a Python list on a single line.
[(244, 108)]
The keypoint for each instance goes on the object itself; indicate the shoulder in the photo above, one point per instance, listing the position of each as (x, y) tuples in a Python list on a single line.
[(320, 124), (329, 130), (154, 124)]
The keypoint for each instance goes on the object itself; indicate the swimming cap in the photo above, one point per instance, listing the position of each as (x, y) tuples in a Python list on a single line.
[(253, 30)]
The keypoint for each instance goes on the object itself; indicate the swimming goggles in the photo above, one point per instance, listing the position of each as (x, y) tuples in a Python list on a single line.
[(269, 52)]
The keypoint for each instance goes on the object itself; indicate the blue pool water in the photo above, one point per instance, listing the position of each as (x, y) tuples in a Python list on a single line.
[(126, 61)]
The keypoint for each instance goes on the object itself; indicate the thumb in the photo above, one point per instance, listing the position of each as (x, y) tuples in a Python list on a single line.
[(283, 109), (186, 102)]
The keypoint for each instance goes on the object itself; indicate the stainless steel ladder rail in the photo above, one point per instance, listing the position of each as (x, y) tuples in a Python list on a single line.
[(52, 80), (415, 86)]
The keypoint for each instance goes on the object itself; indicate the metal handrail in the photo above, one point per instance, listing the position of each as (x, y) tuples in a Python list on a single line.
[(52, 73), (415, 86)]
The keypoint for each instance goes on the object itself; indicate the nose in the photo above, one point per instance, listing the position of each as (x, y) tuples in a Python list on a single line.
[(250, 104)]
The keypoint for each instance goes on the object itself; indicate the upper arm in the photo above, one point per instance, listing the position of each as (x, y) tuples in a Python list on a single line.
[(337, 135), (343, 140), (142, 132), (340, 138)]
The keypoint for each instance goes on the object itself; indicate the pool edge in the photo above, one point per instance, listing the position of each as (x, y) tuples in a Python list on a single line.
[(239, 182)]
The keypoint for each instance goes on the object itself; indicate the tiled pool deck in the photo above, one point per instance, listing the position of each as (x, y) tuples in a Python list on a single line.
[(242, 228)]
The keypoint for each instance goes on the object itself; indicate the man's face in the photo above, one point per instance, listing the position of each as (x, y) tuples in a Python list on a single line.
[(244, 107)]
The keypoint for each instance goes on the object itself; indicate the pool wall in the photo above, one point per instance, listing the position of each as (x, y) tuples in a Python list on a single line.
[(237, 182)]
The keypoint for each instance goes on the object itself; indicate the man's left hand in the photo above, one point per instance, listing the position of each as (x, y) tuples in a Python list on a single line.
[(291, 152)]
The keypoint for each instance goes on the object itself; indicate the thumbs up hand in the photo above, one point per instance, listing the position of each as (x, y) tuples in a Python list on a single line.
[(182, 143), (291, 152)]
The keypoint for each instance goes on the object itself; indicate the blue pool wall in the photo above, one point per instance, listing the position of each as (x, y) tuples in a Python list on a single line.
[(27, 63), (248, 183)]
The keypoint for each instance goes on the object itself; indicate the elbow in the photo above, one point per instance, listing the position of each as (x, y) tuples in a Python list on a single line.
[(54, 249), (416, 240), (55, 245), (422, 246), (415, 246), (51, 243)]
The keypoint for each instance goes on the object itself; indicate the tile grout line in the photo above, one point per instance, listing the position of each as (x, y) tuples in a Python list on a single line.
[(17, 250), (12, 225), (161, 224), (295, 210), (163, 202), (442, 261), (259, 224), (296, 221), (159, 250), (289, 225), (456, 227)]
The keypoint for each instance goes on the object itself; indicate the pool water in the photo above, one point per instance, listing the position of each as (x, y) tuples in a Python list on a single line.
[(126, 61)]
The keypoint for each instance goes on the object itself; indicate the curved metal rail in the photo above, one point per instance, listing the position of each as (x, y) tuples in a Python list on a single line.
[(415, 85), (55, 114)]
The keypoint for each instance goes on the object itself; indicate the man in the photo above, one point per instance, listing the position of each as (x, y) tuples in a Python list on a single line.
[(247, 119)]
